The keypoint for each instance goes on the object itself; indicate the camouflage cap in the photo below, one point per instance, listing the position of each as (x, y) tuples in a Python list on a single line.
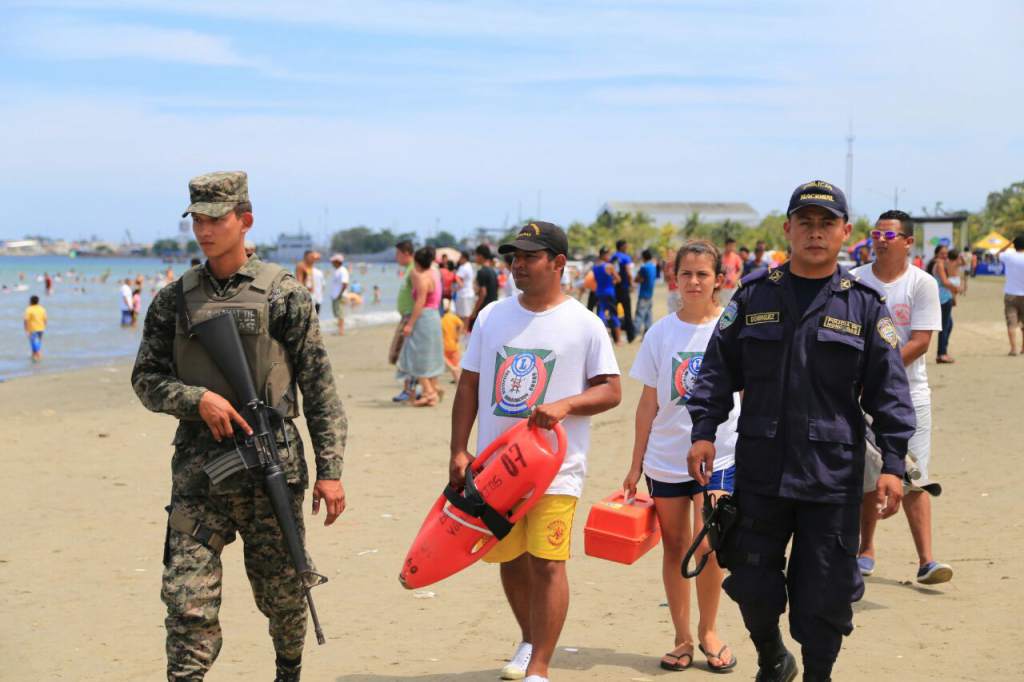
[(215, 194)]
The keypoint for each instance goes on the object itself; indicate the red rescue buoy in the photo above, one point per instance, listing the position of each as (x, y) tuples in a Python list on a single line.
[(464, 524)]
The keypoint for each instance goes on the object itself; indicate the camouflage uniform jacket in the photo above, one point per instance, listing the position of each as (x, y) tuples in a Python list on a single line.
[(293, 323)]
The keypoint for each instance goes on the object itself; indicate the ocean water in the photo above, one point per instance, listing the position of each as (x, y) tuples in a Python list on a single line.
[(84, 311)]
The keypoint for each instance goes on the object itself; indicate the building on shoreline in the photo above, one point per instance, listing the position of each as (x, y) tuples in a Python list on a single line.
[(22, 247)]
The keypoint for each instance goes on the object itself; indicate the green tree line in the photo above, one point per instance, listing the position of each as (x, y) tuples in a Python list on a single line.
[(170, 247), (362, 239), (1003, 212)]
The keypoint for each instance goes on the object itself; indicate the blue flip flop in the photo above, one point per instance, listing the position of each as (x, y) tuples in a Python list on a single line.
[(867, 565)]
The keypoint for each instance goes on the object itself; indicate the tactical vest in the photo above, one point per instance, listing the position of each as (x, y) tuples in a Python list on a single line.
[(268, 359)]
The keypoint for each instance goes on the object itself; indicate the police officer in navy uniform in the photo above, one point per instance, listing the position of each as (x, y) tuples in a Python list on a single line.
[(810, 346)]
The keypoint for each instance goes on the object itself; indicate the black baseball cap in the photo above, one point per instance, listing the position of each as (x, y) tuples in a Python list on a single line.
[(538, 236), (819, 193)]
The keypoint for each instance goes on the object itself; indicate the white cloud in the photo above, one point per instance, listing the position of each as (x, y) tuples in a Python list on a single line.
[(460, 110), (527, 22), (65, 38)]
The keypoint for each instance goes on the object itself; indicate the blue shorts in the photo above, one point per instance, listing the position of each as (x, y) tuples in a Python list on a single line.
[(35, 340), (720, 480), (126, 318)]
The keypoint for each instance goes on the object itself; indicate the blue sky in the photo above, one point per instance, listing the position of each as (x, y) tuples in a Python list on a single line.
[(416, 113)]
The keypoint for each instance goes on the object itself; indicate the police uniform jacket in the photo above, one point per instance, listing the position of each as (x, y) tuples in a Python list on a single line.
[(805, 379)]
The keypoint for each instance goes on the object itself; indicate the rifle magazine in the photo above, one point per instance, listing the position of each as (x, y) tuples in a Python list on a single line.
[(224, 466)]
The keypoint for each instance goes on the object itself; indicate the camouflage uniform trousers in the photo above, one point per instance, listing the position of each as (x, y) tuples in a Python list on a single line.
[(193, 573)]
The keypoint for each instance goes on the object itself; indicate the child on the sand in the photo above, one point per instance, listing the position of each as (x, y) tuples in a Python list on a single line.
[(451, 330)]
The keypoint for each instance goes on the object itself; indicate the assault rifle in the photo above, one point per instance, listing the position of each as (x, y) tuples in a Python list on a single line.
[(257, 453)]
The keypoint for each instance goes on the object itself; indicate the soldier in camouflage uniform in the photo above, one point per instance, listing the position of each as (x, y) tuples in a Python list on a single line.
[(205, 517)]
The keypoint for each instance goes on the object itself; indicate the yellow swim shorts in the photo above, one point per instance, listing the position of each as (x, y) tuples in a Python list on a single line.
[(544, 532)]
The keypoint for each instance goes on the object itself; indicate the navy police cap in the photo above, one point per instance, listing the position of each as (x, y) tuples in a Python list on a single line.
[(819, 193)]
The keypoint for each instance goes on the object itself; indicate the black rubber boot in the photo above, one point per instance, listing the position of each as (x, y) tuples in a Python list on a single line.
[(288, 671), (774, 662)]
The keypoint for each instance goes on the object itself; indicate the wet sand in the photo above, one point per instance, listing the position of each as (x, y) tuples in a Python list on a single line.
[(86, 477)]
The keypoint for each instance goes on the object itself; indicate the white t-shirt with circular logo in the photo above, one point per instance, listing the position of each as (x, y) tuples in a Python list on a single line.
[(526, 359), (669, 360)]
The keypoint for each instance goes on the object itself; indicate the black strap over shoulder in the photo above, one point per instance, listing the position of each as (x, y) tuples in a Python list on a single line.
[(179, 300), (471, 502)]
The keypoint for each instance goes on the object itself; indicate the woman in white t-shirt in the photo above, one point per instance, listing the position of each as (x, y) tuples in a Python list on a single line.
[(668, 363)]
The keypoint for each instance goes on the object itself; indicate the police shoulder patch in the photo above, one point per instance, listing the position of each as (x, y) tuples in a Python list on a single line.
[(887, 330), (728, 316), (753, 277)]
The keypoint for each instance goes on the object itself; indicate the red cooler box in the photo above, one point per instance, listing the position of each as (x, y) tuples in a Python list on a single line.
[(621, 531)]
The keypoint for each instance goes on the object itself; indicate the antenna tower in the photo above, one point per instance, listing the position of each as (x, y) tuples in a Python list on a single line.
[(849, 171)]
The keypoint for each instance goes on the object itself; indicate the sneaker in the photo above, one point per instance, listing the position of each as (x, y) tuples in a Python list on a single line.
[(866, 565), (401, 397), (515, 669), (934, 573)]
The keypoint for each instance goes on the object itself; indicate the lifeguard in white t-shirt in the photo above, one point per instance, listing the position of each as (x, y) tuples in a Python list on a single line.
[(539, 356)]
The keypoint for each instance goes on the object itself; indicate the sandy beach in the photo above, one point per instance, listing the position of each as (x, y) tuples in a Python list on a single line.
[(86, 477)]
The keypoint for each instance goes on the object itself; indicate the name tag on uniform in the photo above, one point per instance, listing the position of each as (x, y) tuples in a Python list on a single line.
[(762, 318), (247, 320), (844, 326)]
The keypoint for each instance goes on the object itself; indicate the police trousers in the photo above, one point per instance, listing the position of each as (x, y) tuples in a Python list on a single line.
[(192, 578), (821, 580)]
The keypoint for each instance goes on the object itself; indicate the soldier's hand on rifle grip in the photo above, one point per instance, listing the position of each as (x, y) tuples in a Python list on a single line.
[(701, 461), (219, 415), (333, 493)]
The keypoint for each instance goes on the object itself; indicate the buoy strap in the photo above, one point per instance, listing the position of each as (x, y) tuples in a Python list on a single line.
[(472, 502)]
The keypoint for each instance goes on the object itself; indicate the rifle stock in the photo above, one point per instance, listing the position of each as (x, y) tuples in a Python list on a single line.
[(258, 452)]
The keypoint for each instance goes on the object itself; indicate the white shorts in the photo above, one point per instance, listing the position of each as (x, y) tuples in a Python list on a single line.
[(919, 451), (464, 305)]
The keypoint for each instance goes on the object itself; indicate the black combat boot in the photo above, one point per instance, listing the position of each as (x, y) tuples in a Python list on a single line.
[(288, 671), (774, 662), (816, 670)]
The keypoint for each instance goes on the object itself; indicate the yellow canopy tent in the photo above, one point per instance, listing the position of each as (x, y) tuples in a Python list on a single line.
[(993, 241)]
